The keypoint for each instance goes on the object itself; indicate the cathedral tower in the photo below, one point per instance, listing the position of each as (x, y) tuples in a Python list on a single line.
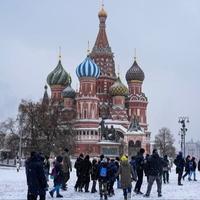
[(103, 57), (137, 101), (58, 79)]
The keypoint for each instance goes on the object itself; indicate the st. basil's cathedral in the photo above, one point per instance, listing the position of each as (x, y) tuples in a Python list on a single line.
[(110, 118)]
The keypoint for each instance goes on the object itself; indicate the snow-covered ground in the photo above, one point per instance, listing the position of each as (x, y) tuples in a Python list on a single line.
[(13, 186)]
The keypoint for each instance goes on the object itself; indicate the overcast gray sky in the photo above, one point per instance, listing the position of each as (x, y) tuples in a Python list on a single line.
[(165, 33)]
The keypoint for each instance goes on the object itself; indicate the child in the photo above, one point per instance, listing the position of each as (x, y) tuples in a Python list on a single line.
[(103, 179), (57, 175)]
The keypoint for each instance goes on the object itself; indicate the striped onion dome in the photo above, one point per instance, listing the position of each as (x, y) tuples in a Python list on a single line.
[(88, 68), (135, 73), (69, 92), (59, 76), (118, 88)]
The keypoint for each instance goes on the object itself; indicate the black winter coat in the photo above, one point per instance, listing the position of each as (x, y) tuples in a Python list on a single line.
[(94, 171), (199, 165), (112, 171), (78, 165), (86, 170), (187, 167), (139, 162), (154, 165), (35, 175), (58, 179), (180, 163)]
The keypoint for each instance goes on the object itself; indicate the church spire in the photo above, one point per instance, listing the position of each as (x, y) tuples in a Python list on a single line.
[(45, 100), (102, 41)]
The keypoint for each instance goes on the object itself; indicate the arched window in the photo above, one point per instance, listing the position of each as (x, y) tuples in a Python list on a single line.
[(131, 143), (138, 143)]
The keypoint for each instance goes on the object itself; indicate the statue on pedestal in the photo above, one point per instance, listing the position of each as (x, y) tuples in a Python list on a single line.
[(108, 133)]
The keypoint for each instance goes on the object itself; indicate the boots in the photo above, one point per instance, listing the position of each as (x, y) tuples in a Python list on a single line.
[(51, 193), (59, 196)]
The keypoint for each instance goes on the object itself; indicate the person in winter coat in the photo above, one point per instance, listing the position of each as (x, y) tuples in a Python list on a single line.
[(155, 169), (103, 179), (36, 180), (85, 171), (78, 166), (133, 165), (46, 166), (57, 174), (187, 167), (199, 165), (140, 171), (166, 169), (67, 168), (125, 172), (117, 163), (180, 163), (94, 175), (112, 170), (192, 166), (145, 167)]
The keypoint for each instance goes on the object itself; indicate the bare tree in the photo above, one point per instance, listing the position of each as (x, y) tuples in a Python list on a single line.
[(9, 138), (164, 142), (45, 128), (2, 140), (8, 126)]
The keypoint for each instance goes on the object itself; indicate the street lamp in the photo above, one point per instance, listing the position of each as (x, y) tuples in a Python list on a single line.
[(183, 121)]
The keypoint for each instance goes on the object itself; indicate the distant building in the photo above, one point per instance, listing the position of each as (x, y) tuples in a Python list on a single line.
[(193, 148), (103, 98)]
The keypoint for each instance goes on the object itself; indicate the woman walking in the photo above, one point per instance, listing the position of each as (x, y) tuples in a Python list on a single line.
[(125, 173)]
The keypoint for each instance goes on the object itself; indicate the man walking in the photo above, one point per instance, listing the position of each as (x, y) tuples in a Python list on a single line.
[(139, 169), (67, 168), (155, 167), (36, 179), (180, 163)]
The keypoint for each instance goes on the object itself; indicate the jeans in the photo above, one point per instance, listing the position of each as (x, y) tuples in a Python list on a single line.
[(56, 189), (194, 174)]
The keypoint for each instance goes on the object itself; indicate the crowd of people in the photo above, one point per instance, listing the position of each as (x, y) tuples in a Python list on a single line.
[(104, 172), (189, 165)]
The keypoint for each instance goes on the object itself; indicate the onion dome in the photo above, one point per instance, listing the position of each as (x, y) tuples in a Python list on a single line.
[(59, 76), (102, 13), (69, 92), (135, 73), (118, 88), (88, 68)]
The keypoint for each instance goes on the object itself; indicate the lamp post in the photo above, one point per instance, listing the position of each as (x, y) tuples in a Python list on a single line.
[(183, 121)]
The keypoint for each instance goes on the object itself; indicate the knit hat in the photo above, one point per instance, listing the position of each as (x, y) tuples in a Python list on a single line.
[(124, 158)]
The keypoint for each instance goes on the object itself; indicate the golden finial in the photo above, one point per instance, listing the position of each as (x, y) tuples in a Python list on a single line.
[(102, 12), (135, 55), (88, 49), (59, 52)]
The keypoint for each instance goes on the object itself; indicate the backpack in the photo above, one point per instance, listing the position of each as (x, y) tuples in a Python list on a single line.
[(103, 172)]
